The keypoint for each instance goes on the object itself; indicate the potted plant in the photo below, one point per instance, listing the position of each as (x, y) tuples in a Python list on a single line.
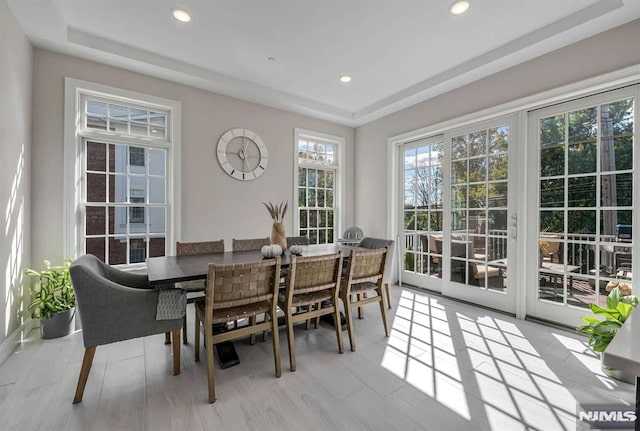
[(53, 300), (620, 304)]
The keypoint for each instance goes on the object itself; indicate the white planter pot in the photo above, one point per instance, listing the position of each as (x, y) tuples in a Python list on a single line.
[(614, 373)]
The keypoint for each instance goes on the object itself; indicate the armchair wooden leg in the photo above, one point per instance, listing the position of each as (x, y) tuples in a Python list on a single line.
[(89, 352), (176, 351), (167, 338)]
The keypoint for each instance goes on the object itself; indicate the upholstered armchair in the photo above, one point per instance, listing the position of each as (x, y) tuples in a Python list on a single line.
[(115, 306)]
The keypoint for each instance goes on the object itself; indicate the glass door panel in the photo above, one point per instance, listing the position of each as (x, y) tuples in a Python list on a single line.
[(422, 212), (585, 165), (478, 244)]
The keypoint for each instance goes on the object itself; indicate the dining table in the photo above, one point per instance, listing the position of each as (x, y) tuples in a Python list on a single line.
[(167, 270)]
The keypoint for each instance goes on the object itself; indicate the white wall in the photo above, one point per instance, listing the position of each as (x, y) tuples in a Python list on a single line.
[(16, 58), (606, 52), (214, 205)]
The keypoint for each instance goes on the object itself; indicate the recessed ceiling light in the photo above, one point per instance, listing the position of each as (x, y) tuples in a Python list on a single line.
[(345, 78), (181, 14), (271, 59), (459, 7)]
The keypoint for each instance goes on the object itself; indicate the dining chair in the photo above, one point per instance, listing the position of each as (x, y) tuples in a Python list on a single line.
[(115, 306), (373, 243), (249, 244), (194, 288), (312, 288), (365, 273), (236, 291)]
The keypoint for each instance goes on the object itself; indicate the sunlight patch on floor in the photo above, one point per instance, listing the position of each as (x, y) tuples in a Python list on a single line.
[(452, 356)]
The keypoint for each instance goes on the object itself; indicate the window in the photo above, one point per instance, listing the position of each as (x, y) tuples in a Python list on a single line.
[(318, 185), (124, 150)]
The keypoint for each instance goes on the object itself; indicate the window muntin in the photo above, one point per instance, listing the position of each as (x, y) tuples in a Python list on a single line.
[(317, 187)]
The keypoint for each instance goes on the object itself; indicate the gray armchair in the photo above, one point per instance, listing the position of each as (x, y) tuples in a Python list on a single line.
[(115, 306)]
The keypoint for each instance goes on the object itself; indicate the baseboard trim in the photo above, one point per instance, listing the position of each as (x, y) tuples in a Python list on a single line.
[(13, 340)]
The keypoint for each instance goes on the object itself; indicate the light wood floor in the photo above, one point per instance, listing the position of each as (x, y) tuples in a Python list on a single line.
[(446, 366)]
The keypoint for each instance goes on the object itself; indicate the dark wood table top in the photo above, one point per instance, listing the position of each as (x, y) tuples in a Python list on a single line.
[(172, 269)]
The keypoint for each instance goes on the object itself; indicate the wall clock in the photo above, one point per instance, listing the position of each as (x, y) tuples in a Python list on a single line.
[(242, 154)]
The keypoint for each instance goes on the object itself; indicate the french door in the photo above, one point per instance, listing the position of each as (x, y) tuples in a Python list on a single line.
[(584, 164), (458, 220)]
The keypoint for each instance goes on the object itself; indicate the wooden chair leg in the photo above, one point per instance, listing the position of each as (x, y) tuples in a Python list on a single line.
[(317, 322), (290, 340), (276, 344), (176, 351), (307, 323), (89, 352), (349, 318), (196, 348), (184, 329), (208, 347), (167, 338), (252, 337), (361, 308), (338, 326), (383, 311), (387, 287)]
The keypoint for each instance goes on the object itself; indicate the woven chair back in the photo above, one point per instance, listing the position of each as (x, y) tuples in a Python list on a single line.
[(249, 244), (313, 273), (237, 284), (367, 265), (203, 247)]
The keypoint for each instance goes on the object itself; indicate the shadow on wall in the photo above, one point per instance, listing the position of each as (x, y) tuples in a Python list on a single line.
[(12, 249)]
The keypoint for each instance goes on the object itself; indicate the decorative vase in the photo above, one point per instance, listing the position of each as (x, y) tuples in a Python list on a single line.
[(278, 236)]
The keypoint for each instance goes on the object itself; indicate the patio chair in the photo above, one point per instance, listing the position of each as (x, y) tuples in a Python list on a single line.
[(249, 244)]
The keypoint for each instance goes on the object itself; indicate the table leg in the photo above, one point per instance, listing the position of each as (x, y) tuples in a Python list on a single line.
[(227, 355)]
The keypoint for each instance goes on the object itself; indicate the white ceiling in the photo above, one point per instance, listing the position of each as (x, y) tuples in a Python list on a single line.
[(399, 52)]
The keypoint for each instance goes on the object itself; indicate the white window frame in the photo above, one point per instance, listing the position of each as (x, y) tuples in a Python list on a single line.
[(75, 133), (339, 181)]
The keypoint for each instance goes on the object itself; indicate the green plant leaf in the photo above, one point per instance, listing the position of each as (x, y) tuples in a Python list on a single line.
[(53, 291)]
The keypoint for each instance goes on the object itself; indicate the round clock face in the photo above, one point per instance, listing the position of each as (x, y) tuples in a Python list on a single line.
[(242, 154)]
